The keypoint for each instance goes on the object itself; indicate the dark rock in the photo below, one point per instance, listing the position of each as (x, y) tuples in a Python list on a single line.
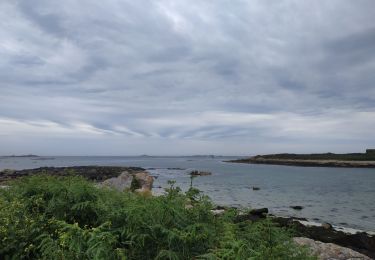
[(256, 188), (360, 242), (296, 207), (200, 173), (259, 212), (95, 173), (252, 215), (220, 207)]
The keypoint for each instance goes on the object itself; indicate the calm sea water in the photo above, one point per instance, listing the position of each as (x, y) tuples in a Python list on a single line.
[(341, 196)]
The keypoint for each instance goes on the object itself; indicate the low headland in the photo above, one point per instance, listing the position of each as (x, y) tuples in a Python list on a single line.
[(109, 212), (349, 160)]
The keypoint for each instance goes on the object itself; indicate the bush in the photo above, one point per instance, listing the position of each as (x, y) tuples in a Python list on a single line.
[(48, 217)]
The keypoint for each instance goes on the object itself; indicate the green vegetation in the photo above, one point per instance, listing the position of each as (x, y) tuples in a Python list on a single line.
[(44, 217)]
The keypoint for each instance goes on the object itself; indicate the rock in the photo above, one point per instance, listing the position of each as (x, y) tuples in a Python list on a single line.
[(217, 212), (7, 171), (139, 182), (360, 241), (296, 207), (188, 206), (329, 251), (119, 183), (94, 173), (326, 225), (200, 173), (256, 188), (259, 212), (252, 215), (220, 207), (144, 180)]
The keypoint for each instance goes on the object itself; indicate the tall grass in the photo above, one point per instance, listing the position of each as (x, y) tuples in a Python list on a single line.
[(44, 217)]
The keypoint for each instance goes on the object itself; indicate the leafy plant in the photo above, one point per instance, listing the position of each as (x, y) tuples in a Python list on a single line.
[(44, 217)]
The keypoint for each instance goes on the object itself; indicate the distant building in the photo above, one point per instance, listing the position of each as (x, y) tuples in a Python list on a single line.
[(370, 151)]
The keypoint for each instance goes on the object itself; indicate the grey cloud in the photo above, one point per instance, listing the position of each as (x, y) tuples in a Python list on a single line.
[(183, 73), (48, 22)]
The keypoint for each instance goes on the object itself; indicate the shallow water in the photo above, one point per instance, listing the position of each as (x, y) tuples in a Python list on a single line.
[(341, 196)]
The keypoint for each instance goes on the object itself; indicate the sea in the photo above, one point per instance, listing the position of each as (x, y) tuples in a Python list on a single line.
[(344, 197)]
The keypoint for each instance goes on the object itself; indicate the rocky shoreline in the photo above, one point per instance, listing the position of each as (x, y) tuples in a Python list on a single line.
[(94, 173), (307, 163), (138, 180), (319, 233)]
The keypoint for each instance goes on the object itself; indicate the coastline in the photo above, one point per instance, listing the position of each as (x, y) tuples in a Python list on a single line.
[(307, 163), (359, 240)]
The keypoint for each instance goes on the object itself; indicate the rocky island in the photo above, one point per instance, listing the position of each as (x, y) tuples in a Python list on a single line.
[(349, 160)]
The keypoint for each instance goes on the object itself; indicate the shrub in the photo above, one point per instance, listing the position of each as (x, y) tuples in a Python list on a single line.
[(70, 218)]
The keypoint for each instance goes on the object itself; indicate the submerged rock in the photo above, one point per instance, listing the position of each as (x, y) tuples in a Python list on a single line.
[(296, 207), (328, 251)]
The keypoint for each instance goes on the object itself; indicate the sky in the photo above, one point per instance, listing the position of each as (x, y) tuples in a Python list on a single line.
[(180, 77)]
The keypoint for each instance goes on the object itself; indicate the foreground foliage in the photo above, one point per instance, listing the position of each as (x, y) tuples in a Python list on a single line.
[(44, 217)]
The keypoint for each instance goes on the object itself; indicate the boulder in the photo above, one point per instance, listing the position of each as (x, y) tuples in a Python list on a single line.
[(218, 212), (259, 212), (328, 251), (145, 180), (327, 226), (139, 182), (361, 242), (252, 215), (120, 183)]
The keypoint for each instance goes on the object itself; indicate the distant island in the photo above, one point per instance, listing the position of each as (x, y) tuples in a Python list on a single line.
[(24, 155), (349, 160)]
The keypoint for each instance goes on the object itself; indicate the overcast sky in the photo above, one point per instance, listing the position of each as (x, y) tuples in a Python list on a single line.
[(125, 77)]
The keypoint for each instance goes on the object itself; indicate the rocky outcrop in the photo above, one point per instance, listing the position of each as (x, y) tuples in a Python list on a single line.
[(329, 251), (145, 181), (361, 242), (138, 182), (308, 163), (252, 215), (120, 183), (95, 173), (200, 173)]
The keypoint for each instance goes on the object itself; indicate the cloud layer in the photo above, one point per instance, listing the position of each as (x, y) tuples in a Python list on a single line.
[(183, 77)]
